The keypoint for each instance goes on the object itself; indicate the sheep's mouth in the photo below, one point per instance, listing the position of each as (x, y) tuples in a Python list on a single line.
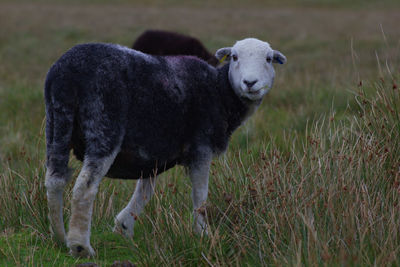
[(254, 95), (254, 92), (257, 94), (258, 91), (264, 89)]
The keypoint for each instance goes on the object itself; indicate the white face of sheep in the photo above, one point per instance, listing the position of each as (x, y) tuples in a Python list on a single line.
[(251, 73)]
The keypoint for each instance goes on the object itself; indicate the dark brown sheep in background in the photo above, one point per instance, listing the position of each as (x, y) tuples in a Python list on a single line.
[(158, 42)]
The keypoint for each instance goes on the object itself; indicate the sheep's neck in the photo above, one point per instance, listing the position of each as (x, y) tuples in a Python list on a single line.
[(236, 109)]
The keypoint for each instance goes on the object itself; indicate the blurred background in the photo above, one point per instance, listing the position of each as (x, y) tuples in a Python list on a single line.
[(329, 44)]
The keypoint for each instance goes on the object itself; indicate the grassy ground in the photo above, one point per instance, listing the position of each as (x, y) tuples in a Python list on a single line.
[(312, 179)]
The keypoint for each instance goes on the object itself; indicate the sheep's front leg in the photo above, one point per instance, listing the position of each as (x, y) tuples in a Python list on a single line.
[(84, 193), (125, 220), (199, 173)]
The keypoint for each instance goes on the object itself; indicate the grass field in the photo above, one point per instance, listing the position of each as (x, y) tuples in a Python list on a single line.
[(311, 179)]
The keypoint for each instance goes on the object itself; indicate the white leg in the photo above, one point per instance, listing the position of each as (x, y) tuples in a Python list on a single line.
[(83, 196), (199, 173), (55, 188), (125, 220)]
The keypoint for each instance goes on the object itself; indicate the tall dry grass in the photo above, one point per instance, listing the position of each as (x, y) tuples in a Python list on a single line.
[(331, 200)]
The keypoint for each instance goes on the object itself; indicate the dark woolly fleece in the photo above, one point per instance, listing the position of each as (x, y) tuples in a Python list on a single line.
[(161, 110), (157, 42)]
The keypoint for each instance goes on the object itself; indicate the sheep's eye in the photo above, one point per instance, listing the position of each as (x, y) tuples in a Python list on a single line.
[(269, 59), (234, 57)]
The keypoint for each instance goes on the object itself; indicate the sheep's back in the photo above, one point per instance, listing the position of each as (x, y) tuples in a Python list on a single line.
[(156, 103)]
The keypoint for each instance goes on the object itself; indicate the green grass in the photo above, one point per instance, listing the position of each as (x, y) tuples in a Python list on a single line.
[(311, 179)]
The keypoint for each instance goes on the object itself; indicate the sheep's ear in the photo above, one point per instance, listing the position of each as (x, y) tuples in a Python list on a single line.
[(279, 57), (223, 53)]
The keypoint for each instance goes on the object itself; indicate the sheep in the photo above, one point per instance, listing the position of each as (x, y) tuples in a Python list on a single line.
[(158, 42), (130, 115)]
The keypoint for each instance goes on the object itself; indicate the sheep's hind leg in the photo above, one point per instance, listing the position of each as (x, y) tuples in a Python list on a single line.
[(84, 193), (125, 220), (59, 123)]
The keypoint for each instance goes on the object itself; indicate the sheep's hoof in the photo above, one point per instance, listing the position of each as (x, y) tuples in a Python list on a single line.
[(58, 237), (122, 229), (201, 229), (81, 251)]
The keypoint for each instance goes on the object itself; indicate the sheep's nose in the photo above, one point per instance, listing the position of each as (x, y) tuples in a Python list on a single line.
[(249, 84)]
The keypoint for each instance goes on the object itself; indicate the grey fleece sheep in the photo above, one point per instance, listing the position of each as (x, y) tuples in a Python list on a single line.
[(130, 115)]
